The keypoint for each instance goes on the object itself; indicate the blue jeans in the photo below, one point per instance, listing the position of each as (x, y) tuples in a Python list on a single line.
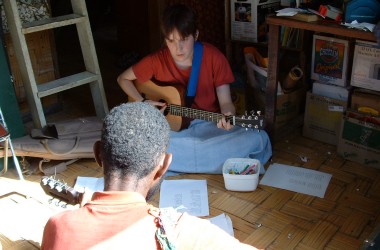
[(203, 148)]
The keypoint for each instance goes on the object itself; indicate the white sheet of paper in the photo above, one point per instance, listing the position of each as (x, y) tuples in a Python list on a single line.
[(287, 12), (297, 179), (186, 193), (361, 26), (224, 222), (92, 184)]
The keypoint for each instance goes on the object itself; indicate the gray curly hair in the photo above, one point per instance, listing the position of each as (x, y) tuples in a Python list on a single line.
[(134, 137)]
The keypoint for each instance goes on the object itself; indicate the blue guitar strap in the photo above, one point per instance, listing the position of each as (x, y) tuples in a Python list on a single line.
[(194, 74)]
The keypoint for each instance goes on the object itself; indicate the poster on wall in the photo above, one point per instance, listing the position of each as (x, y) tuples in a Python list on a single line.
[(329, 60), (366, 66), (248, 19)]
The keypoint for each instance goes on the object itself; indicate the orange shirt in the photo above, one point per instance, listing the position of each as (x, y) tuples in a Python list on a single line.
[(215, 71), (121, 220)]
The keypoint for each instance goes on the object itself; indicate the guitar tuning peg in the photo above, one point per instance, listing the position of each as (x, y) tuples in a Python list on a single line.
[(45, 181)]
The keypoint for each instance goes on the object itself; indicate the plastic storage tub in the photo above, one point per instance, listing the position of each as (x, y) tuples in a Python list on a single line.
[(235, 179)]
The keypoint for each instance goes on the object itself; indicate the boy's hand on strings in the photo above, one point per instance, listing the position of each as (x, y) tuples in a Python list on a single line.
[(223, 123), (160, 105)]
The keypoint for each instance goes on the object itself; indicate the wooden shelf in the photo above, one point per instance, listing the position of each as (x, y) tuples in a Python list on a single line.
[(322, 26), (275, 24)]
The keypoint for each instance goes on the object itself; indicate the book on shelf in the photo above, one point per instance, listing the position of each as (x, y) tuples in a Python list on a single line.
[(291, 37), (285, 35), (306, 17)]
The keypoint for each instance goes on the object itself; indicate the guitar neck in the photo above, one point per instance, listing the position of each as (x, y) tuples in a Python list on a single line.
[(196, 113), (59, 190)]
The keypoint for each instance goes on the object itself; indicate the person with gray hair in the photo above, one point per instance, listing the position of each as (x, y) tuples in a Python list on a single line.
[(132, 152), (133, 140)]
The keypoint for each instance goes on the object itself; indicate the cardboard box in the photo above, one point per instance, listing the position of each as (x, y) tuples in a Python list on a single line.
[(331, 91), (365, 98), (359, 140), (322, 118), (288, 106), (329, 60), (366, 66), (248, 19)]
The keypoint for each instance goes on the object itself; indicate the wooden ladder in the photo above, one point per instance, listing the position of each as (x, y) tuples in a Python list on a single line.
[(34, 91)]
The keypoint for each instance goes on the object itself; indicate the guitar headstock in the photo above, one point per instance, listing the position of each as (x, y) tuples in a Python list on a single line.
[(59, 190), (254, 120)]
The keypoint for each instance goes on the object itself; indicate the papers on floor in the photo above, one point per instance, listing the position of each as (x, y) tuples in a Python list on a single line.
[(91, 184), (188, 195), (224, 222), (191, 196), (297, 179)]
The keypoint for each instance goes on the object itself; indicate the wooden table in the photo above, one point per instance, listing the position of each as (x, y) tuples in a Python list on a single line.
[(274, 37)]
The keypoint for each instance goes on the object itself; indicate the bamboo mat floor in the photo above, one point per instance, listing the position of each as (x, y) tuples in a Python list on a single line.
[(271, 218)]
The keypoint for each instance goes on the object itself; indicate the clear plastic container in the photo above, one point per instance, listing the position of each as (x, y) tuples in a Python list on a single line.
[(236, 175)]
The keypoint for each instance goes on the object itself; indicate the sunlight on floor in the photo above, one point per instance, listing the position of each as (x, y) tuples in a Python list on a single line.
[(25, 209)]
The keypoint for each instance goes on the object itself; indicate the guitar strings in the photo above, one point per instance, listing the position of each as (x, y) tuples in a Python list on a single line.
[(195, 113), (245, 121)]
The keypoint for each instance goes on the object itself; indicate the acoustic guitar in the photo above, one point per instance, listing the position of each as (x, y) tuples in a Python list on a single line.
[(180, 116)]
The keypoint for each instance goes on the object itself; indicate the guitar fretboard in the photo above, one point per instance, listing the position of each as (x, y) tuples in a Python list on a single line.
[(196, 113)]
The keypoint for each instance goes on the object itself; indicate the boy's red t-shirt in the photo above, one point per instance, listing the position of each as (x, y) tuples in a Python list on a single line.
[(215, 71)]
